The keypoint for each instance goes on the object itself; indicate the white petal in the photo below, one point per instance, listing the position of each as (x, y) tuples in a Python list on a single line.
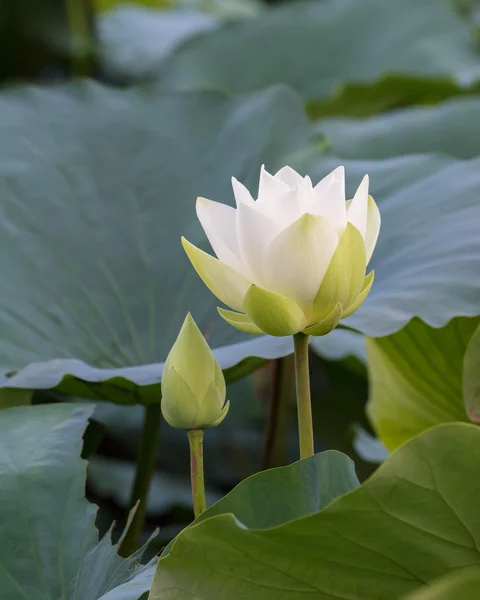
[(373, 227), (286, 207), (255, 231), (329, 197), (298, 258), (307, 182), (289, 176), (269, 187), (358, 208), (242, 195), (219, 222)]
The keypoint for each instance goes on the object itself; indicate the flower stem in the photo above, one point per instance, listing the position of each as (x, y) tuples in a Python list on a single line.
[(304, 403), (147, 457), (79, 15), (195, 437)]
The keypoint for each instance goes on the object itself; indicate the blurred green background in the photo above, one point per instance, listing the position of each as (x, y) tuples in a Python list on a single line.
[(115, 116)]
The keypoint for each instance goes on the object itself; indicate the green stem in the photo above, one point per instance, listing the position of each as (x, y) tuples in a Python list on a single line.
[(195, 437), (147, 458), (79, 18), (304, 403)]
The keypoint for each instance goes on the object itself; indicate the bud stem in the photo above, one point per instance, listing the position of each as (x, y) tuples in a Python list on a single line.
[(195, 437), (147, 458), (304, 403)]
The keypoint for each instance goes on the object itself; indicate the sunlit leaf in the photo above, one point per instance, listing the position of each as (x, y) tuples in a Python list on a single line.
[(416, 378), (413, 521)]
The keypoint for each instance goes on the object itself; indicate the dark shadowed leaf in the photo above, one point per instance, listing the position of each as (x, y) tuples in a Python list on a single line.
[(50, 547)]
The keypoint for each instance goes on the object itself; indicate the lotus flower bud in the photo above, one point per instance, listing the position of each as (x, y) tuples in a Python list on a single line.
[(193, 385), (295, 259)]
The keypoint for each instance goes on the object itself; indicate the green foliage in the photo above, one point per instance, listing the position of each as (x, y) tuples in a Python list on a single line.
[(98, 183), (273, 497), (104, 5), (414, 520), (464, 585), (416, 378), (471, 377), (316, 47), (50, 547), (388, 92), (121, 179), (449, 128), (423, 259), (108, 323)]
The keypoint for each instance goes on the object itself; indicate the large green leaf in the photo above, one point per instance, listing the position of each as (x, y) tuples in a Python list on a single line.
[(318, 46), (50, 546), (135, 39), (414, 520), (451, 128), (416, 378), (178, 146), (131, 385), (273, 497), (471, 377), (94, 199), (427, 259), (135, 588), (464, 585), (388, 92)]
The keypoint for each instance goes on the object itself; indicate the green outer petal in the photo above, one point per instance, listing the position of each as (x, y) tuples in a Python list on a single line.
[(240, 321), (210, 408), (222, 415), (345, 275), (179, 404), (273, 313), (219, 380), (192, 358), (360, 299), (228, 285), (326, 325)]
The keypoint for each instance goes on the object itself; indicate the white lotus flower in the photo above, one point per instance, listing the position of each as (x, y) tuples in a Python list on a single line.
[(293, 260)]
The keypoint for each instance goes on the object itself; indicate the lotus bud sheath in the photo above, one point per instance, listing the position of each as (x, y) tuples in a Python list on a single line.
[(193, 385)]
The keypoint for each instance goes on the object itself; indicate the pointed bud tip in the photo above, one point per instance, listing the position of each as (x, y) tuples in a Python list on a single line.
[(201, 201)]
